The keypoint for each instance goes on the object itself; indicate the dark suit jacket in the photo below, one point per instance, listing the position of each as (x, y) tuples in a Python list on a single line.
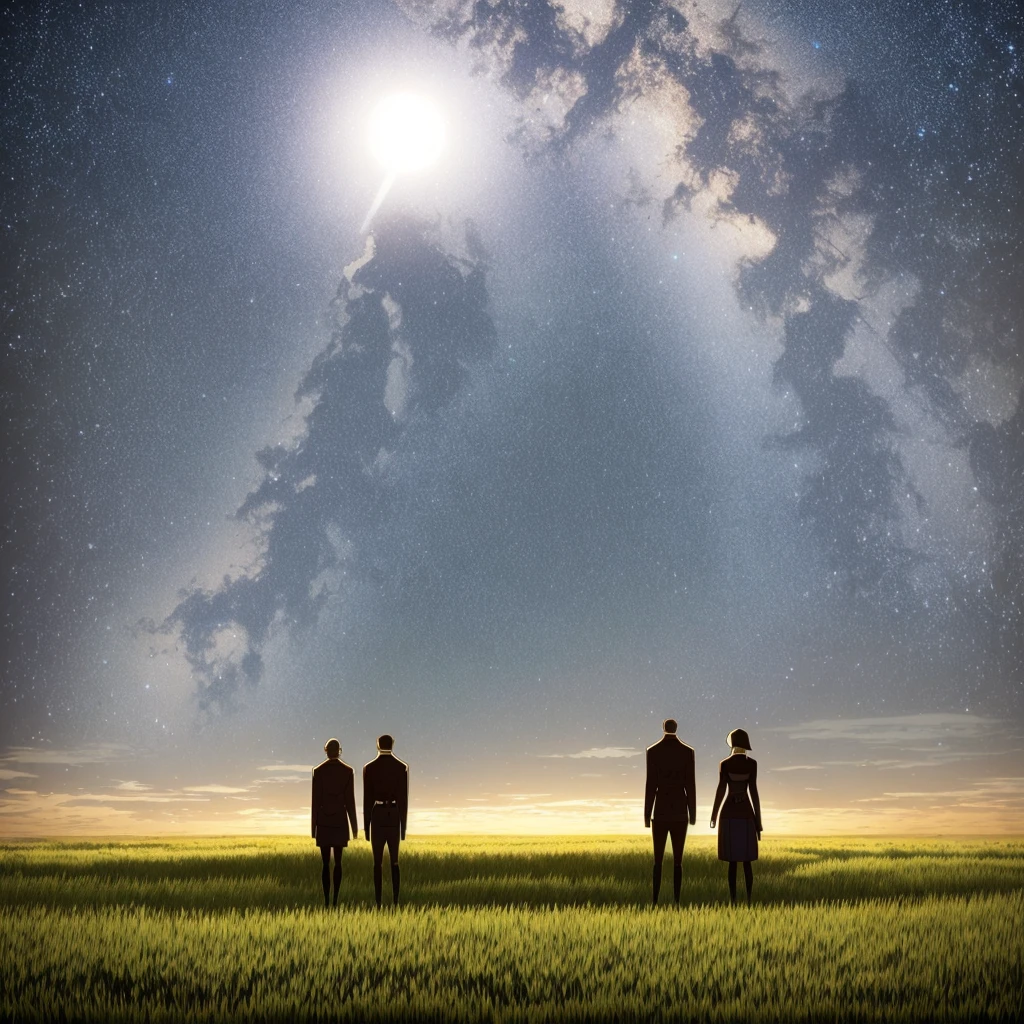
[(671, 791), (385, 781), (334, 796)]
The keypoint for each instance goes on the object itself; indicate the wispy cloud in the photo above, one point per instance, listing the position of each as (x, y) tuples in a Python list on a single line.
[(599, 752), (101, 753), (285, 768), (798, 768), (80, 799), (215, 789), (9, 773), (1005, 792), (928, 759), (895, 730)]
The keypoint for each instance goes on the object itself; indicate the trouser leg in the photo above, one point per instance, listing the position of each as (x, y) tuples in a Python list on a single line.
[(377, 843), (659, 833), (337, 872), (325, 874), (379, 838), (396, 875), (732, 881), (678, 833), (748, 877)]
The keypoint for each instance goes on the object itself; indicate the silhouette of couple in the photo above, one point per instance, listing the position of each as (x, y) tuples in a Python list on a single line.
[(670, 801), (385, 809)]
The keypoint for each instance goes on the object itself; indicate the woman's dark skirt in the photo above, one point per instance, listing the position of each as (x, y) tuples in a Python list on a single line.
[(331, 835), (737, 839)]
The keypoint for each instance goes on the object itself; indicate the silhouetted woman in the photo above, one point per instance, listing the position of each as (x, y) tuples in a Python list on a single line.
[(334, 807), (740, 826)]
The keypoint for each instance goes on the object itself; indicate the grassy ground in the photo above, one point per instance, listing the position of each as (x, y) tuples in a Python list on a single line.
[(511, 929)]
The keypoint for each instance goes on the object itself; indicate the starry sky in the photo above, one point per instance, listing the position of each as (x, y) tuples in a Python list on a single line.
[(688, 383)]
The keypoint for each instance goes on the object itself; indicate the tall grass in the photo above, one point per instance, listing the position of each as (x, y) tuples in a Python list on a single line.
[(937, 959), (526, 930), (284, 872)]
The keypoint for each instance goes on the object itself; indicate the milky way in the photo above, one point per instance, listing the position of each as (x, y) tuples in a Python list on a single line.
[(690, 383)]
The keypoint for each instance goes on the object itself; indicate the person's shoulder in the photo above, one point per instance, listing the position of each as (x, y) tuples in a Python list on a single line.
[(686, 747), (655, 747), (401, 764), (347, 768), (318, 770)]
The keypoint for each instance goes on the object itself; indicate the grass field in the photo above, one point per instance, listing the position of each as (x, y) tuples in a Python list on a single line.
[(511, 929)]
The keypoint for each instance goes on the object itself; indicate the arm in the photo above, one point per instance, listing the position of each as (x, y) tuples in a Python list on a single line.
[(315, 802), (403, 801), (691, 788), (650, 792), (756, 799), (719, 796), (367, 802), (350, 803)]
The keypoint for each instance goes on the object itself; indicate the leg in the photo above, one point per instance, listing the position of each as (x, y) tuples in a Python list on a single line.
[(659, 833), (377, 843), (337, 872), (325, 874), (396, 875), (678, 831), (732, 881), (748, 877)]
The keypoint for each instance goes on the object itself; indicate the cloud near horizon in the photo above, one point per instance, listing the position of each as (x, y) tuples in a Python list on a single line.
[(896, 730), (598, 752), (100, 753)]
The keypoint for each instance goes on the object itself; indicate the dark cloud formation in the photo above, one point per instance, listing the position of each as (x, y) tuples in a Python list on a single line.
[(411, 319), (942, 211)]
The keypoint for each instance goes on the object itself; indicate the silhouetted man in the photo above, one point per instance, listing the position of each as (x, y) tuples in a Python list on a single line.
[(670, 801), (385, 808), (334, 807)]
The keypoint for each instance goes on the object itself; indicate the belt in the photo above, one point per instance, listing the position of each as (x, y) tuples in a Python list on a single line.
[(385, 803)]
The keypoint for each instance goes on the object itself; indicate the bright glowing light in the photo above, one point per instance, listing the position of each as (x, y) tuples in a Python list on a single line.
[(406, 133)]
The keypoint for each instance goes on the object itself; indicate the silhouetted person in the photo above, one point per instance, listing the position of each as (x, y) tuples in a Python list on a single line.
[(334, 808), (740, 826), (670, 801), (385, 808)]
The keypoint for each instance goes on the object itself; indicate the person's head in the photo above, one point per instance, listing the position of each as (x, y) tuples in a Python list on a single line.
[(385, 743), (670, 725), (739, 741), (332, 748)]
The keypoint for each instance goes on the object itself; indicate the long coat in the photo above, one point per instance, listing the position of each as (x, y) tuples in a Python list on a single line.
[(334, 797), (671, 793)]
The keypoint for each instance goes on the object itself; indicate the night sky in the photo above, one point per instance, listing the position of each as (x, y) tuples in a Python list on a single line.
[(689, 382)]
